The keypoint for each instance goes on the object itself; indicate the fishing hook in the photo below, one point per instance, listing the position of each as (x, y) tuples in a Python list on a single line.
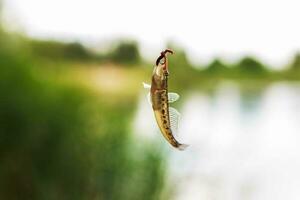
[(163, 55)]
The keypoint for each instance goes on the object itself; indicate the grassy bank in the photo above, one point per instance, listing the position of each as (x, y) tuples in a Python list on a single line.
[(65, 135)]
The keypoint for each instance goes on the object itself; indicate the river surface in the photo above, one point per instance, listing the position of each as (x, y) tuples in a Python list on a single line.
[(244, 144)]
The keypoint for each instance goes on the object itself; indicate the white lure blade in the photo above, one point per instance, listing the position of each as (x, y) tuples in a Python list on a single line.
[(174, 120), (146, 86), (172, 97)]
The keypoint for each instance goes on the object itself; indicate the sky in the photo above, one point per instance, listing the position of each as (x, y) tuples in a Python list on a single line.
[(228, 29)]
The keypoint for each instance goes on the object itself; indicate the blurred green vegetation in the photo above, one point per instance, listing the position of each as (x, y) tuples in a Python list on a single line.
[(295, 66), (61, 51), (125, 52), (60, 139)]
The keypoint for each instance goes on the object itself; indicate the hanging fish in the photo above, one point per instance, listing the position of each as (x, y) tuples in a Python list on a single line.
[(166, 117)]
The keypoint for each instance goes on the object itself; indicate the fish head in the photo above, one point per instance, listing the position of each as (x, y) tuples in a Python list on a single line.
[(161, 69)]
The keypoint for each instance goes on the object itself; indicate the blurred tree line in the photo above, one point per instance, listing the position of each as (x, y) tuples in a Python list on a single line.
[(61, 141), (124, 52), (61, 51), (127, 53)]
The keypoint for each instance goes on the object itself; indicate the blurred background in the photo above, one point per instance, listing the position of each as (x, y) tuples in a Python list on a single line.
[(75, 122)]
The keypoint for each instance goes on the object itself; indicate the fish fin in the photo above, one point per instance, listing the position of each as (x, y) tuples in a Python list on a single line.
[(182, 147), (146, 86), (172, 97), (149, 98), (174, 120)]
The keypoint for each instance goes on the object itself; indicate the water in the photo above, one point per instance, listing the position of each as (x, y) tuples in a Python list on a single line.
[(244, 144)]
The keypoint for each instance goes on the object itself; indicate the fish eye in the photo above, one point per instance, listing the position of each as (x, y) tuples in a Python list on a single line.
[(162, 61)]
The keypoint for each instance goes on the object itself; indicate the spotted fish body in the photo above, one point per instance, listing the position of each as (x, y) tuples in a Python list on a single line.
[(159, 98)]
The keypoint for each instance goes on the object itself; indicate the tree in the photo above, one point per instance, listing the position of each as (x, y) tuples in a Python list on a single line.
[(55, 50), (126, 52), (251, 66), (296, 62), (216, 66)]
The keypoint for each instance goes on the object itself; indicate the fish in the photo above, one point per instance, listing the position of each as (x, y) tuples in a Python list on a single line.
[(166, 117)]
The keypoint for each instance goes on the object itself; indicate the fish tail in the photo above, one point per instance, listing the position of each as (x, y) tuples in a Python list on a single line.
[(182, 147)]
